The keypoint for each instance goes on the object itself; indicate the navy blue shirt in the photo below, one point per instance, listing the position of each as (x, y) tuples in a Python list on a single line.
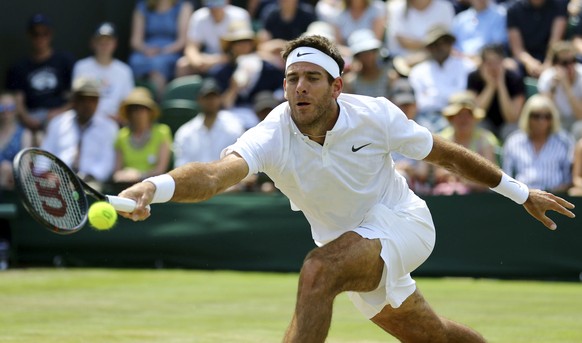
[(288, 30), (271, 79), (515, 87), (45, 84), (535, 23)]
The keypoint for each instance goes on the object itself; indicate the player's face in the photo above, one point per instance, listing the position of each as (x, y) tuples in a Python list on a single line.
[(311, 98)]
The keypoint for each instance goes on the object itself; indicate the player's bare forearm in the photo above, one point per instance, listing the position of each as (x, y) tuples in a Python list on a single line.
[(463, 162), (197, 181), (474, 167), (194, 182)]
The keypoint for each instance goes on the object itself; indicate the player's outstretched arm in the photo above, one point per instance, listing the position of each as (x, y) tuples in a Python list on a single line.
[(476, 168), (192, 182)]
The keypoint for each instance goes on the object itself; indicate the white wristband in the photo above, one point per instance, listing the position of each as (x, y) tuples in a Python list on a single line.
[(513, 189), (165, 186)]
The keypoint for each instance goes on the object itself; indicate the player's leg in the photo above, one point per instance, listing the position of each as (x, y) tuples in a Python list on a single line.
[(415, 321), (348, 263)]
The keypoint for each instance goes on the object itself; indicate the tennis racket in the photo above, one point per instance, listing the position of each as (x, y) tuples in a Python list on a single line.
[(53, 194)]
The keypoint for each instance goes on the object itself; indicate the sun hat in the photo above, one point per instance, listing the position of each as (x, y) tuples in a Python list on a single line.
[(437, 32), (363, 40), (85, 86), (463, 100), (139, 96), (321, 28), (237, 31)]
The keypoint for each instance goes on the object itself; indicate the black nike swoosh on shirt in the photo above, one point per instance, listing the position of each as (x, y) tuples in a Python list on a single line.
[(303, 54), (354, 149)]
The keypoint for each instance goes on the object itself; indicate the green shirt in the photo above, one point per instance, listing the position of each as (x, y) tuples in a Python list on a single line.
[(144, 158)]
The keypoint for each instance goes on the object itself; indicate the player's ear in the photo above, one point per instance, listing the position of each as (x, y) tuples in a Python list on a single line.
[(337, 87), (285, 89)]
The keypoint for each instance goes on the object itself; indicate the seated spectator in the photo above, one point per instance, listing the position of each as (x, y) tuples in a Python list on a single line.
[(81, 139), (206, 135), (480, 25), (360, 14), (563, 84), (540, 153), (576, 189), (143, 147), (281, 22), (369, 74), (464, 116), (245, 74), (41, 82), (500, 91), (416, 172), (532, 28), (158, 38), (13, 138), (203, 49), (437, 78), (409, 22), (115, 77)]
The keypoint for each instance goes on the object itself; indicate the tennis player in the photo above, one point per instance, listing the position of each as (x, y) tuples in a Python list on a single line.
[(329, 153)]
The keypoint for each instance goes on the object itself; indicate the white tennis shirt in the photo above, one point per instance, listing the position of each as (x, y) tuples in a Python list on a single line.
[(336, 184)]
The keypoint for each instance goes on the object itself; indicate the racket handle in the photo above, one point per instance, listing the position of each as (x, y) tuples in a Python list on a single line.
[(122, 204)]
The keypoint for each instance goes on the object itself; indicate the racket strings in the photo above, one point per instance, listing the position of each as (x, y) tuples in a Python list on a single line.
[(51, 192)]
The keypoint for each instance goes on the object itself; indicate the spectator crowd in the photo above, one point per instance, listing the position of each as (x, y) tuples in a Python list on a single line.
[(503, 79)]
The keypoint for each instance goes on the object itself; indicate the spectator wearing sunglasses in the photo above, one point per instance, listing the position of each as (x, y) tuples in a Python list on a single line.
[(540, 153), (13, 138), (563, 84)]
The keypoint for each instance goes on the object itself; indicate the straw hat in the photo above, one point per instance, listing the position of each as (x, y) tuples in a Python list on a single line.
[(139, 96), (84, 86), (461, 100), (436, 33), (237, 31)]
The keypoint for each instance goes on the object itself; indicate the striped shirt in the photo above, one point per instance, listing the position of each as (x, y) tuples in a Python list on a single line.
[(546, 169)]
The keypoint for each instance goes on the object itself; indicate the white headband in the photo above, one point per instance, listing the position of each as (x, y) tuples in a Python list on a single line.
[(311, 55)]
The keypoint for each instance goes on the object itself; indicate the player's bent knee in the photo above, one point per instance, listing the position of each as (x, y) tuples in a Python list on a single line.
[(317, 276)]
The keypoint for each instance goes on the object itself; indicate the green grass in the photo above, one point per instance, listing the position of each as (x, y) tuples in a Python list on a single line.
[(96, 306)]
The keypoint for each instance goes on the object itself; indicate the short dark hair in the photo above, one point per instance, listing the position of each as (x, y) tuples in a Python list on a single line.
[(317, 42)]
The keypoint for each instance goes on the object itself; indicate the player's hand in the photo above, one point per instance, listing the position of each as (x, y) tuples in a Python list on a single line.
[(539, 202), (142, 193)]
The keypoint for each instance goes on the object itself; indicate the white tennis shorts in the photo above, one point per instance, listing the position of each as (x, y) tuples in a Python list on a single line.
[(407, 239)]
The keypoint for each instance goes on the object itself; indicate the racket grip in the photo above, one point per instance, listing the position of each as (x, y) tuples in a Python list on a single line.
[(122, 204)]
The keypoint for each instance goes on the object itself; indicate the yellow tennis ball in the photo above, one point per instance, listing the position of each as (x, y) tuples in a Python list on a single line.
[(102, 215)]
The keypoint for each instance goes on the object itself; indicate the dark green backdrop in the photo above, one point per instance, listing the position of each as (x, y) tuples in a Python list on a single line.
[(482, 235)]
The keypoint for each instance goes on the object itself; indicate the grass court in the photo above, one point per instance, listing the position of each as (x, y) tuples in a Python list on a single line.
[(179, 306)]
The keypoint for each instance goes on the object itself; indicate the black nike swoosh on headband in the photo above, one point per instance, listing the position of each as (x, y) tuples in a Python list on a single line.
[(303, 54)]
